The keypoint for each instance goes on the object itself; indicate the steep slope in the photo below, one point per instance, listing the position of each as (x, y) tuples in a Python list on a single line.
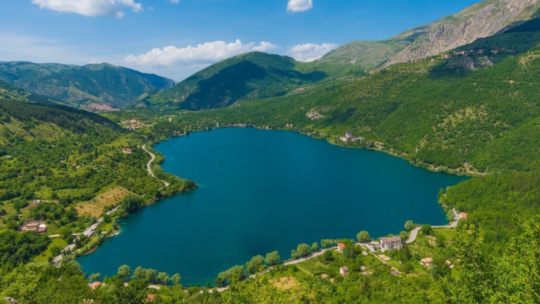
[(477, 21), (9, 92), (248, 76), (47, 122), (480, 20), (92, 87)]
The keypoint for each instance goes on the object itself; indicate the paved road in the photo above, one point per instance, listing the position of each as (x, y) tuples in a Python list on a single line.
[(309, 257), (413, 236), (88, 233), (415, 231), (149, 165)]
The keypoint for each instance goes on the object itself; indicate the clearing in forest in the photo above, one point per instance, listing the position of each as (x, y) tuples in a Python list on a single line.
[(285, 283), (95, 206)]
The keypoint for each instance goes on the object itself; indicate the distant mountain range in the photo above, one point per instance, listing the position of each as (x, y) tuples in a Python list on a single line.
[(103, 87), (92, 87)]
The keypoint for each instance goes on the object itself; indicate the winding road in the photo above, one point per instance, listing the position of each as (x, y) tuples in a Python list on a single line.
[(415, 231), (149, 165)]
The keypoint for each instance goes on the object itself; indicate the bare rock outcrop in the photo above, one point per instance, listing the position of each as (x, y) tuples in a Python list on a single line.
[(480, 20)]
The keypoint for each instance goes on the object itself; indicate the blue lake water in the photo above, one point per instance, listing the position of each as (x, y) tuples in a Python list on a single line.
[(262, 191)]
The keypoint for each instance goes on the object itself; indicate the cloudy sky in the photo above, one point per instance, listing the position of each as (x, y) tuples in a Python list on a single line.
[(176, 38)]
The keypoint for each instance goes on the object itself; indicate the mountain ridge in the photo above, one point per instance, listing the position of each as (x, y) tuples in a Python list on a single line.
[(480, 20), (91, 87)]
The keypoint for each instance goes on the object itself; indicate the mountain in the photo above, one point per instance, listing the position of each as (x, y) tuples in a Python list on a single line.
[(480, 20), (247, 76), (92, 87)]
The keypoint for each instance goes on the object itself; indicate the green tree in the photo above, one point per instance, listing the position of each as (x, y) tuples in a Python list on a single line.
[(163, 278), (363, 237), (139, 273), (303, 250), (94, 277), (124, 272), (272, 258), (450, 215), (131, 203), (151, 275), (426, 230), (255, 263), (409, 225), (176, 279), (315, 247), (294, 255)]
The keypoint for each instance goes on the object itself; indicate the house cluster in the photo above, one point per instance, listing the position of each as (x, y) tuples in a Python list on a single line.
[(37, 226), (390, 243), (126, 150), (349, 138), (133, 124)]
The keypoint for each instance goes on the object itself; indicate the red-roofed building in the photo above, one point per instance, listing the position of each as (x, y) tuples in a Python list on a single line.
[(95, 285), (463, 215), (340, 247), (150, 298), (344, 271)]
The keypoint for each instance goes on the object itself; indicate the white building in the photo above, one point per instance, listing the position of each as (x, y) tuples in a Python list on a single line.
[(393, 243)]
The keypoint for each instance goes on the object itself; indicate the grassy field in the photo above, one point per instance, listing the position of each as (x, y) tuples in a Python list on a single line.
[(95, 206), (42, 259)]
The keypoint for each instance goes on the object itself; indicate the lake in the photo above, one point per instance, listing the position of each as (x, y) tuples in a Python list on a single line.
[(262, 191)]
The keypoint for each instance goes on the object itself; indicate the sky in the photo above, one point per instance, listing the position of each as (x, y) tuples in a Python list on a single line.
[(176, 38)]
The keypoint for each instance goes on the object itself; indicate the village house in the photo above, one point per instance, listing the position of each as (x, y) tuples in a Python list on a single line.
[(344, 271), (37, 226), (340, 247), (126, 150), (395, 273), (426, 262), (392, 243), (150, 298), (463, 215)]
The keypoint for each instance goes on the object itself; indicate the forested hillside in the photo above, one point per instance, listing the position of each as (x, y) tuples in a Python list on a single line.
[(96, 87), (9, 92), (244, 77)]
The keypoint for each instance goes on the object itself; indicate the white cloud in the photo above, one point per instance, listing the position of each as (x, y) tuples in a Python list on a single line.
[(310, 52), (208, 52), (295, 6), (90, 8), (174, 1), (265, 47)]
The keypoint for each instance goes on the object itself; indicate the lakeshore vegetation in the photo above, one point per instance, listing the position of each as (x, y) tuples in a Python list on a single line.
[(434, 113)]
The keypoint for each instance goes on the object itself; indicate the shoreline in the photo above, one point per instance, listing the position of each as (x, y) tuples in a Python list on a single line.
[(153, 158), (428, 167)]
